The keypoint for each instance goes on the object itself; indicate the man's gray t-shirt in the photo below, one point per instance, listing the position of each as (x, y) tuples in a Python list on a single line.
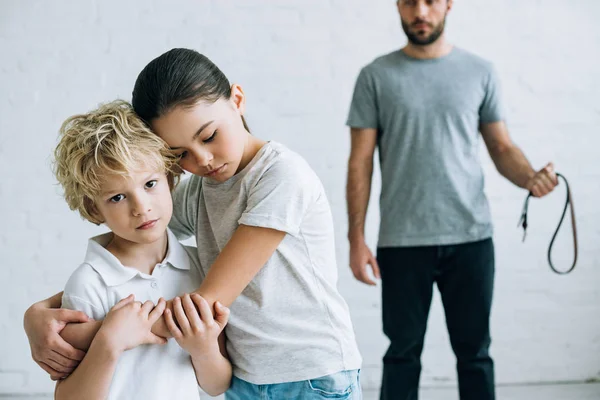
[(290, 323), (427, 114)]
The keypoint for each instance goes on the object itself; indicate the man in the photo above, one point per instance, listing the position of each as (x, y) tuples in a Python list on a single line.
[(424, 107)]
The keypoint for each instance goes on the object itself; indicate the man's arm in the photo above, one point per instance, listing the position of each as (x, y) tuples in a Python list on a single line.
[(358, 191), (512, 163)]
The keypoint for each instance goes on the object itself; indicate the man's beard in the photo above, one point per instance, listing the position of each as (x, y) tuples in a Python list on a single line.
[(420, 40)]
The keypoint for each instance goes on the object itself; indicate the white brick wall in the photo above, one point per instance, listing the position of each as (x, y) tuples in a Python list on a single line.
[(297, 60)]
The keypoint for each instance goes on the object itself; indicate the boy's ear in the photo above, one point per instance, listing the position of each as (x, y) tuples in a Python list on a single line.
[(92, 210), (239, 98)]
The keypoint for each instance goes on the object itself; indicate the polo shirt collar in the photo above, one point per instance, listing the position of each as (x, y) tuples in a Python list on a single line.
[(113, 273)]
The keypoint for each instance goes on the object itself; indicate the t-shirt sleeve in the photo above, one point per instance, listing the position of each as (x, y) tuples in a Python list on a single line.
[(85, 291), (363, 108), (281, 196), (492, 109), (185, 207)]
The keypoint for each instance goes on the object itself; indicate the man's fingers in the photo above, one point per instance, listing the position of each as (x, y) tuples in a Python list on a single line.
[(362, 276), (171, 326), (375, 267)]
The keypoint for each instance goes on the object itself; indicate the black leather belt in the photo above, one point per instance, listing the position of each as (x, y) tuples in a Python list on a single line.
[(569, 201)]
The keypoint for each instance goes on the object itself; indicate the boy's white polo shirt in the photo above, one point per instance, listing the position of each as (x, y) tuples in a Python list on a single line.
[(147, 371)]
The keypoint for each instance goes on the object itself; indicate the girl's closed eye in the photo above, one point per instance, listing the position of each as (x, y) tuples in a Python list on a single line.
[(211, 138)]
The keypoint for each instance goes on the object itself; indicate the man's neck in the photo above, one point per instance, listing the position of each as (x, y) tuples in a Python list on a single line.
[(437, 49), (142, 257)]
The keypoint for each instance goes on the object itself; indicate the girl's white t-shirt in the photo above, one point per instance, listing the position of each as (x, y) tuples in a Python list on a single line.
[(290, 323)]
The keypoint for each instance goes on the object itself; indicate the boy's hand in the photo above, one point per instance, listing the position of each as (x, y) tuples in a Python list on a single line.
[(198, 331), (128, 323), (48, 349)]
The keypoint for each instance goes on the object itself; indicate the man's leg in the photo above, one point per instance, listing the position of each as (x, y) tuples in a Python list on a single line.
[(466, 281), (407, 287)]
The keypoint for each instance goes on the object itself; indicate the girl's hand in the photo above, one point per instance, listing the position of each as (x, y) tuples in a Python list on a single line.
[(43, 325), (128, 323), (196, 330)]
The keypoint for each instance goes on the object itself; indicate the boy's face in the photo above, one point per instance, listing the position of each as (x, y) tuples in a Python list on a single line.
[(136, 207)]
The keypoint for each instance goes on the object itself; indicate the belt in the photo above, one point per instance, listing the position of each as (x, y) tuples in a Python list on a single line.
[(568, 202)]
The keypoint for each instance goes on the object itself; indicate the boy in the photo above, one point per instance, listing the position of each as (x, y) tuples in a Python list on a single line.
[(115, 171)]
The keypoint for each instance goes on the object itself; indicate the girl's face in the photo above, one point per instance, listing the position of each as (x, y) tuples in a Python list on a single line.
[(209, 137)]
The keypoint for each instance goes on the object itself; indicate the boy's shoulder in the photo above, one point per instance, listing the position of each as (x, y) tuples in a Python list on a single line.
[(86, 291)]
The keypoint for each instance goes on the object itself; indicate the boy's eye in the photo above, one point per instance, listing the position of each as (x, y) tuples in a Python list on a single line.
[(117, 198), (151, 184), (210, 139)]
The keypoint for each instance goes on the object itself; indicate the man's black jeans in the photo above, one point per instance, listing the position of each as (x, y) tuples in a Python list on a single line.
[(464, 274)]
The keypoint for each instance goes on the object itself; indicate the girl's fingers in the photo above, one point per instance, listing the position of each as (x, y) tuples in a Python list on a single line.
[(191, 313), (173, 329), (62, 360), (54, 374)]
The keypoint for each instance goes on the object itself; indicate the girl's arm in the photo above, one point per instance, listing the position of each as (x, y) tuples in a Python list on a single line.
[(242, 257)]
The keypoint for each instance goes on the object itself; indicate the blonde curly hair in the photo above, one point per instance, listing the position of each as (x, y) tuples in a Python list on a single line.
[(109, 140)]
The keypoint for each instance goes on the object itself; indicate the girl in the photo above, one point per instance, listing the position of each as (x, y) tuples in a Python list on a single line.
[(264, 232)]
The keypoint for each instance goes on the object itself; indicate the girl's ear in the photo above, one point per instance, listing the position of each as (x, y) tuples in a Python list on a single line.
[(238, 98)]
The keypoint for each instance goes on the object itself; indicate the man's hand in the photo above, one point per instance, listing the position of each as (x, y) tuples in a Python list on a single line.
[(543, 182), (360, 256), (48, 349)]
